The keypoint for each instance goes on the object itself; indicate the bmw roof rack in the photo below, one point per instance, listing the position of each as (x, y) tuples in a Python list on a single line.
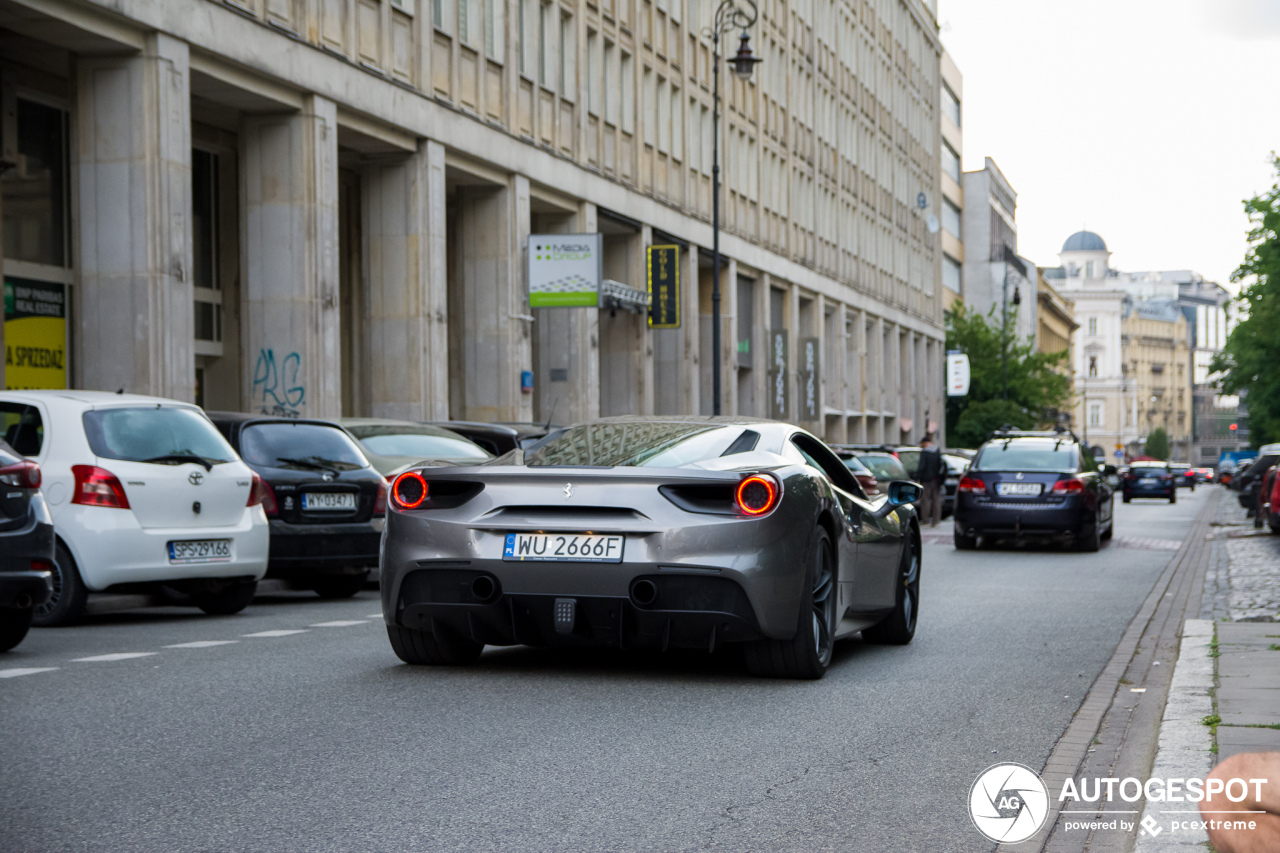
[(1010, 431)]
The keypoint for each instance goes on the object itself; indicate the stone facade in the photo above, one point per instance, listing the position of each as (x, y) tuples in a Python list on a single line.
[(322, 207)]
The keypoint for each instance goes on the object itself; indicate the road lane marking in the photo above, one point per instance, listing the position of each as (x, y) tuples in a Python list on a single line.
[(27, 670), (374, 616), (340, 623), (202, 644), (114, 656), (277, 633)]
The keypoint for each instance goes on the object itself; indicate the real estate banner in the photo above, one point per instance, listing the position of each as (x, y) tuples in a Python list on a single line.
[(779, 403), (808, 369), (565, 270), (35, 334)]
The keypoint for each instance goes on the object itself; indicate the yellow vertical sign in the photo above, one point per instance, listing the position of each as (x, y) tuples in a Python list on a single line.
[(663, 263), (35, 334)]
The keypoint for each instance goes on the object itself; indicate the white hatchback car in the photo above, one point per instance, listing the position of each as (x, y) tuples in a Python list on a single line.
[(144, 492)]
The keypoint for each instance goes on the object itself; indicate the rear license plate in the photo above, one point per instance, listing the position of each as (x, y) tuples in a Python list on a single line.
[(563, 548), (1147, 481), (328, 500), (1021, 489), (200, 551)]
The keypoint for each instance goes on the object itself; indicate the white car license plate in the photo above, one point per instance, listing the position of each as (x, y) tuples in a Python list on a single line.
[(563, 547), (1020, 489), (200, 551), (1148, 481), (328, 500)]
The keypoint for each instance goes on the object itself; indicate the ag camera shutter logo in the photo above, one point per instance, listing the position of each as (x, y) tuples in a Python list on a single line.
[(1008, 803)]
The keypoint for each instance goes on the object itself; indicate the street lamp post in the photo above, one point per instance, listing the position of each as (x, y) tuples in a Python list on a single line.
[(730, 15), (1013, 276)]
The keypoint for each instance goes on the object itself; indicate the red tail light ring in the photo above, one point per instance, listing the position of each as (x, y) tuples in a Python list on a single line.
[(409, 490), (971, 485), (757, 494)]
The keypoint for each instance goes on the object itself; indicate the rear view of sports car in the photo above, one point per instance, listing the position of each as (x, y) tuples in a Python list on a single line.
[(651, 532)]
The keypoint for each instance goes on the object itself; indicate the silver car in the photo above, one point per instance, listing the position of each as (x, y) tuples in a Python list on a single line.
[(666, 532)]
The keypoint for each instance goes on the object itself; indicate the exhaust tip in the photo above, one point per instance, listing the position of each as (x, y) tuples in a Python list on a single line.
[(644, 592), (483, 587), (23, 602)]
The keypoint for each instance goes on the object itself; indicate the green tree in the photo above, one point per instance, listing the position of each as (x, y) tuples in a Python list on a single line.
[(1250, 360), (1157, 444), (1036, 390)]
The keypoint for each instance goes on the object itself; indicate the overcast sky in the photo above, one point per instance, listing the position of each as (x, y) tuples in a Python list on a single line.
[(1147, 121)]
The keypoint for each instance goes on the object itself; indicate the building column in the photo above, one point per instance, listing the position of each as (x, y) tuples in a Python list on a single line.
[(494, 226), (690, 386), (568, 339), (290, 309), (729, 335), (404, 307), (132, 176)]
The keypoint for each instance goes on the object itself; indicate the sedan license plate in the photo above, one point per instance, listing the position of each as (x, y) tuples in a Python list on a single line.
[(1020, 489), (200, 551), (1148, 481), (328, 501), (563, 548)]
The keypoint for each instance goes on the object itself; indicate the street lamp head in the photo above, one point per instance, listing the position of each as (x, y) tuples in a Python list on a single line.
[(743, 62), (1017, 296)]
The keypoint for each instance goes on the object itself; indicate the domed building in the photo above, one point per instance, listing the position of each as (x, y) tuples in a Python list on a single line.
[(1085, 255)]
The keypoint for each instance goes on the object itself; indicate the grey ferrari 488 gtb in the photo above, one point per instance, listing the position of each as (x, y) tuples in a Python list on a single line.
[(651, 532)]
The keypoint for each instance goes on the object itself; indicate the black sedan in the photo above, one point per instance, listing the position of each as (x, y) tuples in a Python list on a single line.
[(26, 546), (651, 532), (324, 501), (1033, 484), (1149, 479)]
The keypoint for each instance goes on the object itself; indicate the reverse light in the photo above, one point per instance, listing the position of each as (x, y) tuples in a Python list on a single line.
[(1073, 486), (757, 494), (97, 487), (21, 475), (409, 490), (971, 486), (262, 493), (380, 502)]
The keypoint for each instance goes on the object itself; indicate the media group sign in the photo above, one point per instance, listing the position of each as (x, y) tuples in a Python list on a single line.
[(565, 270)]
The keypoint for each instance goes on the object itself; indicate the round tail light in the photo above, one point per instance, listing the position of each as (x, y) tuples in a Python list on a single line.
[(409, 490), (757, 494)]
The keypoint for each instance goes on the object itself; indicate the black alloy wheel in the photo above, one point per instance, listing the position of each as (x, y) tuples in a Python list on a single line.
[(66, 604), (899, 627), (809, 652)]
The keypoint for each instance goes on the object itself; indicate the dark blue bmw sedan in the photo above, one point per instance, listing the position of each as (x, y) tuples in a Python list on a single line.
[(1033, 484), (1150, 479)]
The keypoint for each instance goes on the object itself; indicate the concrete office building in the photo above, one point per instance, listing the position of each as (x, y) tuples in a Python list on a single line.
[(994, 274), (951, 207), (322, 207)]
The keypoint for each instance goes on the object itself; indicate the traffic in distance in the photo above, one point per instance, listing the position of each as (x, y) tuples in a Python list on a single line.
[(631, 532)]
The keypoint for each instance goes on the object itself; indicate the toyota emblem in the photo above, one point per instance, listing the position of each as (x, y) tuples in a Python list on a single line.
[(195, 478), (326, 476)]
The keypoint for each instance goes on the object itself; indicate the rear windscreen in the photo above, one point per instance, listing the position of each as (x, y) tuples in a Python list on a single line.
[(1033, 455), (648, 444), (300, 446), (152, 433)]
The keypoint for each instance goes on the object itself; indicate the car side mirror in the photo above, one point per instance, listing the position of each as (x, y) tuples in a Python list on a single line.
[(900, 493)]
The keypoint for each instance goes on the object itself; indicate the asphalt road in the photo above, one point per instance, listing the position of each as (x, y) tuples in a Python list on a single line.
[(314, 737)]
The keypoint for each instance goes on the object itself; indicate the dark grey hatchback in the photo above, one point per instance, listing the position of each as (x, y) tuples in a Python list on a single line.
[(1025, 484), (26, 544)]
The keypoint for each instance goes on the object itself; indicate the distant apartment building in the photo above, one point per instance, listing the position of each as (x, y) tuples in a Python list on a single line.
[(1157, 364), (324, 207), (996, 277), (1056, 323), (951, 206)]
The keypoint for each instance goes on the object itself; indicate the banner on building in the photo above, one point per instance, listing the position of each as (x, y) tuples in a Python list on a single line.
[(35, 334), (778, 395), (565, 270), (957, 374), (663, 264), (809, 379)]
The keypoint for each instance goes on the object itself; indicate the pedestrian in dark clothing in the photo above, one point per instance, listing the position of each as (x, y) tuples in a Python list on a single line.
[(931, 473)]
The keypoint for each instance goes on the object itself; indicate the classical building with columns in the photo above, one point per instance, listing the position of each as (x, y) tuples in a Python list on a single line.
[(323, 207)]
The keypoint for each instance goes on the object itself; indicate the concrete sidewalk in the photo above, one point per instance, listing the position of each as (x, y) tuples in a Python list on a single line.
[(1225, 693)]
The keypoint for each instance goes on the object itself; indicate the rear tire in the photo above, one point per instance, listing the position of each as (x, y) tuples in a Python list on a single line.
[(900, 626), (223, 598), (965, 543), (1111, 528), (66, 606), (1126, 498), (14, 624), (809, 652), (339, 586), (1090, 538), (1173, 496), (433, 648)]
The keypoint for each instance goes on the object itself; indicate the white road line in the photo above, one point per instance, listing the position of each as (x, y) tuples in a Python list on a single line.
[(277, 633), (374, 616), (28, 670), (202, 644), (114, 656), (341, 623)]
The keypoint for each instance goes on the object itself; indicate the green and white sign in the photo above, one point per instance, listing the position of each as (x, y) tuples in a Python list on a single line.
[(565, 270)]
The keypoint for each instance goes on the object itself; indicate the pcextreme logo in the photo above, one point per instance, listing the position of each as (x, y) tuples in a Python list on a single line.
[(1008, 803)]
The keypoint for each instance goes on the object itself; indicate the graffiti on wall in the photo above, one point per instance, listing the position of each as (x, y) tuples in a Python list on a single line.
[(277, 387)]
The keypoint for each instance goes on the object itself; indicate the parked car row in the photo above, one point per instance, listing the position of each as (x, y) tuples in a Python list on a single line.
[(122, 492), (1264, 488)]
